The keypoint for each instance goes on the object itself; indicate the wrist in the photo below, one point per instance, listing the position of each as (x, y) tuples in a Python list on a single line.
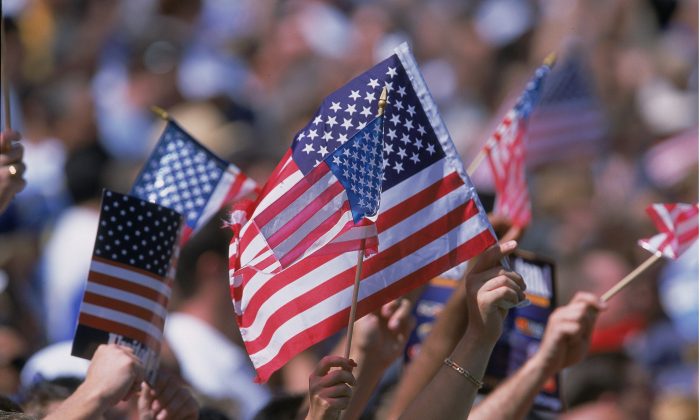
[(482, 336), (543, 365)]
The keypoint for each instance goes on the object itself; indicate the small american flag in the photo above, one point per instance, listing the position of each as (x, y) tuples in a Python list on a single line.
[(678, 227), (128, 288), (506, 155), (333, 204), (183, 175), (568, 123), (429, 218)]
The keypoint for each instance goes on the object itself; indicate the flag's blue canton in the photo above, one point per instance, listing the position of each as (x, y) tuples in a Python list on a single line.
[(532, 91), (180, 174), (136, 233), (410, 144), (358, 166)]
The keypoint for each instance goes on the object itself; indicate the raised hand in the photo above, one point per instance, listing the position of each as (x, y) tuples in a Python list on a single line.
[(170, 399), (330, 390), (568, 334), (380, 336), (114, 374), (491, 291)]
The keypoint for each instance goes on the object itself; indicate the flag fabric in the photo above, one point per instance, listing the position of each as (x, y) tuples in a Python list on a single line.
[(183, 175), (330, 209), (505, 150), (568, 122), (429, 218), (678, 227), (129, 283)]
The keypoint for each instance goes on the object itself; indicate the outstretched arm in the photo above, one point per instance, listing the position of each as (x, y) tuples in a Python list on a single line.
[(565, 342), (490, 290)]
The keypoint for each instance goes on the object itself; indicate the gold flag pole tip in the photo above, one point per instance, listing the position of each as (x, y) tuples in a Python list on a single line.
[(551, 59), (382, 102), (160, 112)]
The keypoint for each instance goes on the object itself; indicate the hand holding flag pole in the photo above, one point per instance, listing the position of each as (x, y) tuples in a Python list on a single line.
[(360, 257), (678, 227)]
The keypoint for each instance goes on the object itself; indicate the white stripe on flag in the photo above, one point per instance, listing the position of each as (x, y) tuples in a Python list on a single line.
[(127, 297), (122, 318), (131, 276)]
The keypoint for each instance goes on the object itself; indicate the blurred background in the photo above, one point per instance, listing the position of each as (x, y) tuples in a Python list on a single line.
[(616, 129)]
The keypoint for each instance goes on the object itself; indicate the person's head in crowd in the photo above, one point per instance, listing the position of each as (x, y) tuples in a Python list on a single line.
[(44, 397), (202, 267), (85, 173)]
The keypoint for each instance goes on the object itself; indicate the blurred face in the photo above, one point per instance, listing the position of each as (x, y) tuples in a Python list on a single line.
[(12, 353)]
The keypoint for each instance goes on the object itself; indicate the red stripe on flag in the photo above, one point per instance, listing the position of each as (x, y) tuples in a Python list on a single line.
[(125, 307), (317, 233), (316, 205), (292, 194), (127, 286), (418, 201), (118, 328)]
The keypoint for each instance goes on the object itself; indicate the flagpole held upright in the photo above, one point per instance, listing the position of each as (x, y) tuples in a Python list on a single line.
[(360, 257)]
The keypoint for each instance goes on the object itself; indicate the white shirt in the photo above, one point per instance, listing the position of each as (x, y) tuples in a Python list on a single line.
[(213, 364)]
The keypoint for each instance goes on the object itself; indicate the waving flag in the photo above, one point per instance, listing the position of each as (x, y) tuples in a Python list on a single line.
[(183, 175), (128, 288), (333, 204), (429, 218), (678, 227), (505, 150), (568, 122)]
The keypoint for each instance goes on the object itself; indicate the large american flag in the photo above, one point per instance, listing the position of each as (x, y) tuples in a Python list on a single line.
[(183, 175), (129, 283), (568, 123), (429, 218), (677, 224), (505, 150), (330, 209)]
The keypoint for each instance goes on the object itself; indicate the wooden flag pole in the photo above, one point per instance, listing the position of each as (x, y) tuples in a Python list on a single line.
[(5, 88), (360, 257), (630, 277)]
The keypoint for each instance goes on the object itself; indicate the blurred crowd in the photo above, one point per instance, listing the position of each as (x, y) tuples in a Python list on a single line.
[(243, 76)]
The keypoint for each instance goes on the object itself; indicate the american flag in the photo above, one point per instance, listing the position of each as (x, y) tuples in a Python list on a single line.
[(128, 288), (568, 122), (183, 175), (678, 227), (429, 218), (506, 154), (333, 204)]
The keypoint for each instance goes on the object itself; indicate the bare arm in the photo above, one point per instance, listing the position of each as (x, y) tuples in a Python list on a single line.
[(115, 374), (378, 340), (489, 291), (565, 342)]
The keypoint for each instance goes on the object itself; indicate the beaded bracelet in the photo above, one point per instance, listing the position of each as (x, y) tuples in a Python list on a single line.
[(471, 378)]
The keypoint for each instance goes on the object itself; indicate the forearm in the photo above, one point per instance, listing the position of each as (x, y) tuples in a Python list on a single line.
[(368, 377), (450, 395), (83, 404), (446, 333), (513, 398)]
